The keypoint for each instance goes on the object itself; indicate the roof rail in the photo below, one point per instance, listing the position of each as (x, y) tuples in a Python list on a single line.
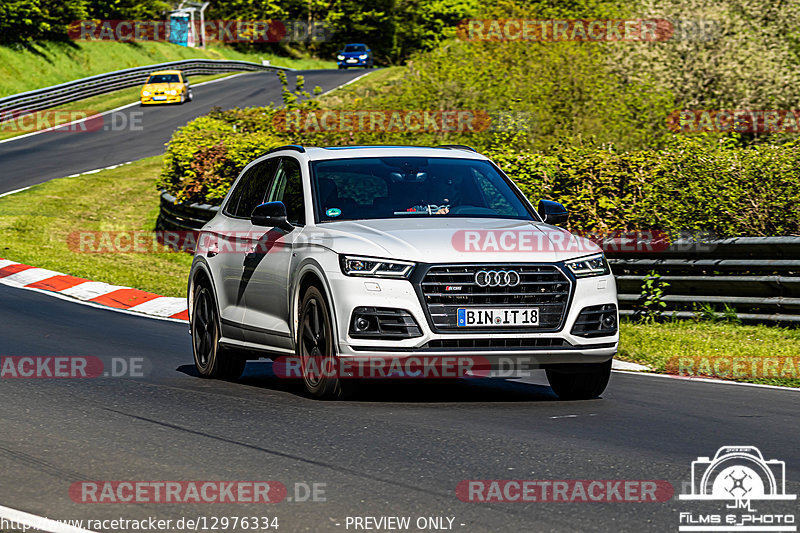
[(458, 147), (295, 147)]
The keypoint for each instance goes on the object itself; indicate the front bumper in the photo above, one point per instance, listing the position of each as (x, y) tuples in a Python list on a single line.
[(529, 349), (168, 99), (356, 63)]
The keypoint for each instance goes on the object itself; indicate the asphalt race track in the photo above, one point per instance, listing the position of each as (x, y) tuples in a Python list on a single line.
[(396, 450), (55, 154)]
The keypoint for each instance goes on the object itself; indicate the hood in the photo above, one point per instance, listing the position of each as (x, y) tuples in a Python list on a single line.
[(353, 54), (458, 240), (154, 87)]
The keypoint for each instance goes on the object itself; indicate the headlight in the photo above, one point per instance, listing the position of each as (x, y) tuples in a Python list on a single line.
[(595, 265), (363, 56), (340, 57), (375, 268), (145, 93), (173, 92)]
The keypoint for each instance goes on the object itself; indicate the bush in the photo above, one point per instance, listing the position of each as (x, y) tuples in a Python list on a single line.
[(692, 185), (205, 157)]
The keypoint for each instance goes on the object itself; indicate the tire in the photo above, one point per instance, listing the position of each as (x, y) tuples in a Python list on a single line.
[(316, 348), (583, 385), (189, 96), (210, 359)]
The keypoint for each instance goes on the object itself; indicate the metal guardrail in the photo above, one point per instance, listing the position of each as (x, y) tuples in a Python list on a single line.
[(759, 277), (111, 81), (176, 216)]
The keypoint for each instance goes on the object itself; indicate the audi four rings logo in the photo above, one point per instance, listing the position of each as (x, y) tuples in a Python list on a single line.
[(497, 278)]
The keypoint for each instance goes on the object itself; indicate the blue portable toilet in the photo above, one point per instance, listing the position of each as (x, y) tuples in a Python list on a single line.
[(179, 28)]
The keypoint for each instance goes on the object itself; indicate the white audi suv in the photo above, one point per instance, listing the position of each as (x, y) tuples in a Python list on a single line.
[(416, 260)]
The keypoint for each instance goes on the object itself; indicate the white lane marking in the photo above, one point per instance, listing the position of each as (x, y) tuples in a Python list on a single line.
[(95, 171), (61, 296), (5, 262), (347, 83), (38, 522), (625, 365), (91, 289), (209, 82), (161, 306), (708, 380), (28, 276), (15, 191)]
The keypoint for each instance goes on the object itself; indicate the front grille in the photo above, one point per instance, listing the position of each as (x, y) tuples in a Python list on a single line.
[(444, 289)]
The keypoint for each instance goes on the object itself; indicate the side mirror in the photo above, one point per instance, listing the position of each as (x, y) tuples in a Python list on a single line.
[(552, 212), (271, 214)]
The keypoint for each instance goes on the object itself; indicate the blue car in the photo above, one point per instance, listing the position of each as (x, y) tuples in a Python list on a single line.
[(355, 55)]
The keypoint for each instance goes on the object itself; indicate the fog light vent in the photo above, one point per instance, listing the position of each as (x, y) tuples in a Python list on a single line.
[(596, 321), (383, 323)]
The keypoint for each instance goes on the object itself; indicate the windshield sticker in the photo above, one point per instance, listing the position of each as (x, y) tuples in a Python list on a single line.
[(333, 212)]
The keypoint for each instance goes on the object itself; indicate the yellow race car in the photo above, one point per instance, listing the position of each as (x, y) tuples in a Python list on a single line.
[(166, 87)]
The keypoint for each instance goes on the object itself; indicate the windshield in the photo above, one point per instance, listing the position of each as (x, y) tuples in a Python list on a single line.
[(402, 187), (164, 78), (355, 48)]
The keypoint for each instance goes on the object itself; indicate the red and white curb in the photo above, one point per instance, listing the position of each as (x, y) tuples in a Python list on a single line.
[(93, 292)]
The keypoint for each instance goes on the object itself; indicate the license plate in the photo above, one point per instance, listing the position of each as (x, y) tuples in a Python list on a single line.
[(159, 98), (498, 317), (352, 60)]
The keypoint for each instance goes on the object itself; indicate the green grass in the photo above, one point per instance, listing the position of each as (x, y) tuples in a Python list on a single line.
[(358, 93), (50, 63), (121, 199), (97, 104), (655, 345)]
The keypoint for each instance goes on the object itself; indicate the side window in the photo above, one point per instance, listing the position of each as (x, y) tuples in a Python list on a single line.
[(288, 188), (252, 189)]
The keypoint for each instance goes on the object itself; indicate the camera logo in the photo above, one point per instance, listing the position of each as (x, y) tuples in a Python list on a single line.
[(738, 473)]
